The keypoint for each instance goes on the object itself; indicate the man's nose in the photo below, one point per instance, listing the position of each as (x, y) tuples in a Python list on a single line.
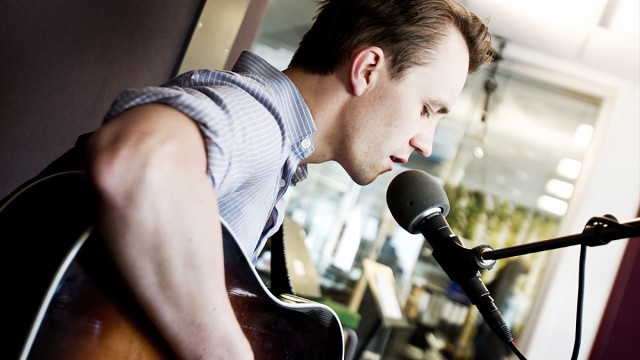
[(422, 142)]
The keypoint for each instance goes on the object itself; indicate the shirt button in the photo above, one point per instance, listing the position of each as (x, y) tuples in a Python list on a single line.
[(282, 183), (305, 143)]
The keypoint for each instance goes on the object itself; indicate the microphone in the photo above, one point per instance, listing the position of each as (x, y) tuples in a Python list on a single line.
[(419, 204)]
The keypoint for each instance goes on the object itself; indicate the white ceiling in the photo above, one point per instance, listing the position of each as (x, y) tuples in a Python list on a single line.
[(599, 34)]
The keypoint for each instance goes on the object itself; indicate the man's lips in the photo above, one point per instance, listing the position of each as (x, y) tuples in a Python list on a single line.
[(398, 160)]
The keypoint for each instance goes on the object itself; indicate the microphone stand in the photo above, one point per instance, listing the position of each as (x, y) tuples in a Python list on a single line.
[(598, 231)]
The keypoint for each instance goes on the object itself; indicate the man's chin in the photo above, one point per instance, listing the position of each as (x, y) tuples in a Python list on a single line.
[(365, 182), (365, 179), (364, 175)]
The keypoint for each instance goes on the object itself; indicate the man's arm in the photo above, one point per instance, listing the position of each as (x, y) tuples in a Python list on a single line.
[(159, 216)]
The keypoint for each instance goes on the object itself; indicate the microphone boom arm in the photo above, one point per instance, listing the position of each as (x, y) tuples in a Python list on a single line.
[(598, 231)]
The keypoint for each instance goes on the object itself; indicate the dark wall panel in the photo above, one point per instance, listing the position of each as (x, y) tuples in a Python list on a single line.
[(63, 62), (619, 330)]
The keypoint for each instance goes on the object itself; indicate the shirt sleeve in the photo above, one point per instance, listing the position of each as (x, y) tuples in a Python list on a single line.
[(203, 110), (245, 138), (228, 117)]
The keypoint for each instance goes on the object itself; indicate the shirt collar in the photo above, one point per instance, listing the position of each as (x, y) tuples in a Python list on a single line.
[(295, 112)]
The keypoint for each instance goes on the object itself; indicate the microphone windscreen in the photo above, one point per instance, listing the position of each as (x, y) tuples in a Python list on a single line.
[(412, 195)]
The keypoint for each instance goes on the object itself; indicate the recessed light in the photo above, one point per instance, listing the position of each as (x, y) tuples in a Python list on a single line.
[(582, 136), (569, 168), (478, 152), (559, 188), (552, 205)]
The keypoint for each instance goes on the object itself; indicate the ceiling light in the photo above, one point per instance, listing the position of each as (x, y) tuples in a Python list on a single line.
[(582, 136), (621, 15), (552, 205), (559, 188), (569, 168), (478, 152)]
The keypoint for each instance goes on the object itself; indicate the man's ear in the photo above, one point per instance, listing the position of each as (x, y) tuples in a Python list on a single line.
[(365, 69)]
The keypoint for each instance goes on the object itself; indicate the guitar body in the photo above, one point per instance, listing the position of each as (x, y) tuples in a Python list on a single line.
[(68, 301)]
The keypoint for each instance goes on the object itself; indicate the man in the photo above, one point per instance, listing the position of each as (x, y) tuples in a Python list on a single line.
[(366, 88)]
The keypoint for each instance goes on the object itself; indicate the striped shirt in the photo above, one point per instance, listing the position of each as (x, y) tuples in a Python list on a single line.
[(257, 130)]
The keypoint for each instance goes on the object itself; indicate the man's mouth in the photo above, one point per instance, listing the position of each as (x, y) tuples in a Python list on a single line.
[(398, 160)]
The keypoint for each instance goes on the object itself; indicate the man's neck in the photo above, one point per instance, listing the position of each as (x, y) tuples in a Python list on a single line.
[(325, 96)]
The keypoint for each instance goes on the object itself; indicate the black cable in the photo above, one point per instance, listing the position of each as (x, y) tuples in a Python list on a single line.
[(516, 351), (598, 223), (581, 272)]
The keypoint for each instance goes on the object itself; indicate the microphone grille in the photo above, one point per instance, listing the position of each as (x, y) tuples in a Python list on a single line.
[(414, 194)]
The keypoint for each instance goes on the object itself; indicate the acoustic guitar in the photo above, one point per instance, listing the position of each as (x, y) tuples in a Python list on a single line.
[(67, 301)]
